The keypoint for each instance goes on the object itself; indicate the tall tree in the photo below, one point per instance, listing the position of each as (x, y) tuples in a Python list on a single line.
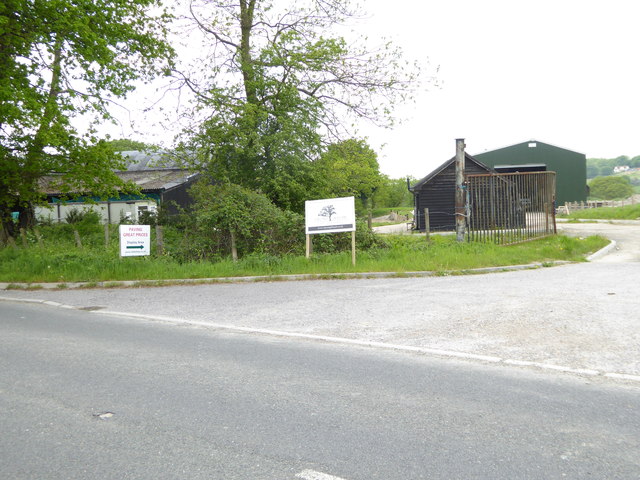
[(350, 168), (281, 82), (62, 59)]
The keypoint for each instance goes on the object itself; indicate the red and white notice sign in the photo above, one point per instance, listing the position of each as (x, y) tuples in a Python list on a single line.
[(135, 240)]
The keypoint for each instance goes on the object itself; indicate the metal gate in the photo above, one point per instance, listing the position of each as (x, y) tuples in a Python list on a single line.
[(510, 207)]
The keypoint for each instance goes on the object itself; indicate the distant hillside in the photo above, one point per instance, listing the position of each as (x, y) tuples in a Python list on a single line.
[(602, 167)]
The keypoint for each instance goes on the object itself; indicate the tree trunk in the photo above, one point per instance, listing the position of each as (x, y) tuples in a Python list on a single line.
[(234, 248), (246, 62)]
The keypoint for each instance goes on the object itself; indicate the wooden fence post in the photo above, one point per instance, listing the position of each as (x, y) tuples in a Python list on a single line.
[(353, 247), (23, 235), (159, 240), (426, 223), (39, 237), (234, 248), (77, 237), (106, 234)]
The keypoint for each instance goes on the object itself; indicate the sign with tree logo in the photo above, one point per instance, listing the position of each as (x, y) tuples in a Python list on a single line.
[(330, 215)]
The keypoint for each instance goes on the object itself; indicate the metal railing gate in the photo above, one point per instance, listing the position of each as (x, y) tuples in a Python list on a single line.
[(510, 207)]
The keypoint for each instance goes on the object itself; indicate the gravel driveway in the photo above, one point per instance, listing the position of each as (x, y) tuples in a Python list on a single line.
[(582, 316)]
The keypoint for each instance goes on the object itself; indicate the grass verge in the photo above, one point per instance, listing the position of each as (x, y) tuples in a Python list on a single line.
[(627, 212), (403, 253)]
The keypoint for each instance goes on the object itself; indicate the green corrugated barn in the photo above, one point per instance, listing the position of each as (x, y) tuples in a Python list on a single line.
[(534, 156)]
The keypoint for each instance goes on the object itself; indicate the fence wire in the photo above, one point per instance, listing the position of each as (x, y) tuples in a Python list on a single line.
[(508, 208)]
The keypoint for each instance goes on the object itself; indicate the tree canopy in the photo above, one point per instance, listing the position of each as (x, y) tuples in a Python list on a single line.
[(601, 167), (611, 187), (126, 145), (350, 168), (279, 85), (60, 60)]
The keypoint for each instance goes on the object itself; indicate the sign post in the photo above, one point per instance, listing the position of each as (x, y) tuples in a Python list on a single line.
[(331, 215), (135, 240)]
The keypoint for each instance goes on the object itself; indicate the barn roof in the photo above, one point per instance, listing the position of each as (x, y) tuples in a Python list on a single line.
[(434, 173), (151, 160), (153, 172), (148, 180)]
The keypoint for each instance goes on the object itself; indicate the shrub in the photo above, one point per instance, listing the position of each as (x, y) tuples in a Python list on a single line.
[(260, 227), (86, 217), (609, 188)]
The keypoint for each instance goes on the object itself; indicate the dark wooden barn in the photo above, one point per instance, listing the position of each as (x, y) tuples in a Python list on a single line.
[(436, 192)]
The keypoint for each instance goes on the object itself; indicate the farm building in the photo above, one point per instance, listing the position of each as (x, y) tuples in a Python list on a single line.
[(161, 182), (535, 156), (436, 192)]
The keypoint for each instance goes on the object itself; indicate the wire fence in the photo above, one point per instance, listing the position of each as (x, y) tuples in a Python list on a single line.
[(510, 207)]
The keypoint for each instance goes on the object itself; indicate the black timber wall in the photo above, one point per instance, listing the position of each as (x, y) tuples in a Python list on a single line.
[(438, 195), (178, 198)]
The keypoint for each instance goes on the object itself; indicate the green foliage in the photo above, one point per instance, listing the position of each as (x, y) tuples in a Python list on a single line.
[(281, 84), (627, 212), (610, 187), (393, 192), (148, 217), (60, 60), (60, 261), (602, 167), (87, 216), (349, 168), (256, 223), (127, 145)]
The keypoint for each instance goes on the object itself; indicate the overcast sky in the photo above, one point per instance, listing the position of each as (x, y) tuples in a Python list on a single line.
[(565, 72)]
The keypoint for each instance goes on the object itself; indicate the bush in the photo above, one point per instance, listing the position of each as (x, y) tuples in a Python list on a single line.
[(86, 217), (609, 188), (260, 228)]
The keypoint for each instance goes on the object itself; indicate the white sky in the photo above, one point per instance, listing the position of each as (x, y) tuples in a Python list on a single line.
[(565, 72)]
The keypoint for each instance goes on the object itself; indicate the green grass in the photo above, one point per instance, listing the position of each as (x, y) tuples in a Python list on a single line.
[(381, 212), (628, 212), (65, 263)]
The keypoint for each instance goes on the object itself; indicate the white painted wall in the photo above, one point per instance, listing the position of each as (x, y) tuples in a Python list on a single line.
[(114, 210)]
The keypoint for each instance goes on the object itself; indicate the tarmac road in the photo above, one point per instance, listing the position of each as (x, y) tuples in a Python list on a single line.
[(579, 317), (97, 397)]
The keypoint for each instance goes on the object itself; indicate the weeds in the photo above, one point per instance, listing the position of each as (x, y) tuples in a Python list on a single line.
[(99, 264)]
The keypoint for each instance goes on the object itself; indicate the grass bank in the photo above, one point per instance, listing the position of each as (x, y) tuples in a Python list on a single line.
[(627, 212), (65, 262)]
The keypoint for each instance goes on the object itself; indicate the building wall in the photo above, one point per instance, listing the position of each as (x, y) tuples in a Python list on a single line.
[(109, 211), (570, 166), (438, 195)]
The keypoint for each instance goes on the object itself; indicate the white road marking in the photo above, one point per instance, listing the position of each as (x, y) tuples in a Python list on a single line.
[(623, 376), (347, 341), (313, 475)]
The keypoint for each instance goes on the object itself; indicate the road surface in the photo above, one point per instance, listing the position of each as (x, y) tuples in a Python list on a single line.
[(90, 396)]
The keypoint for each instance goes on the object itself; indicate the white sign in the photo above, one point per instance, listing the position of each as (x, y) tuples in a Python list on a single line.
[(135, 240), (330, 215)]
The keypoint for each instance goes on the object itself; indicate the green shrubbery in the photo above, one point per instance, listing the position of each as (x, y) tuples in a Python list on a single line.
[(224, 214), (609, 188)]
